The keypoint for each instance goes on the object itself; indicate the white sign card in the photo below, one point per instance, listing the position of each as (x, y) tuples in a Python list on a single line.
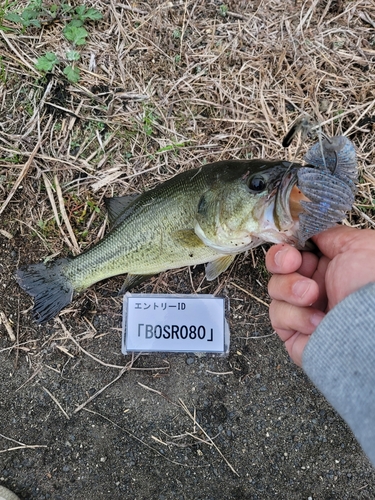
[(175, 323)]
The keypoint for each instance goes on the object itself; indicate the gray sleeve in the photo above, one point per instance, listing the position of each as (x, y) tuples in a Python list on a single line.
[(340, 361)]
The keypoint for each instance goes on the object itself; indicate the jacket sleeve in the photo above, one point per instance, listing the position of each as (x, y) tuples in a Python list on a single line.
[(340, 361)]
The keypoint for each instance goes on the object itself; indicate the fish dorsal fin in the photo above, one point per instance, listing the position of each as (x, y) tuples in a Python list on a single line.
[(218, 266), (187, 238), (116, 206)]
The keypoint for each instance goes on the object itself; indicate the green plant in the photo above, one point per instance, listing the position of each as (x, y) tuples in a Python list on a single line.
[(171, 147), (29, 16), (35, 14), (72, 74), (3, 73), (148, 121), (15, 158), (73, 55), (3, 13), (223, 9), (47, 62), (75, 32), (84, 14), (46, 226)]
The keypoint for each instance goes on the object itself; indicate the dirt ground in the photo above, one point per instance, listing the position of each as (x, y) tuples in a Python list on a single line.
[(175, 85), (176, 426)]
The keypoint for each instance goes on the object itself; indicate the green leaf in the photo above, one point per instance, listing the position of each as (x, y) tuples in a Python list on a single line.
[(72, 74), (171, 147), (47, 62), (29, 17), (73, 55), (13, 17), (35, 4), (80, 10), (93, 14), (76, 23), (66, 8), (29, 14), (83, 13), (76, 35)]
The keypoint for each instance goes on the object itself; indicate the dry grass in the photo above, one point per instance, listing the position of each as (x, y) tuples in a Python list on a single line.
[(167, 86)]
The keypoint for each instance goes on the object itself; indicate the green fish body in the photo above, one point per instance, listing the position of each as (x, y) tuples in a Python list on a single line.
[(206, 215), (196, 217)]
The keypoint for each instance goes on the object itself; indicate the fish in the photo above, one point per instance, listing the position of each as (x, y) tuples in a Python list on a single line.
[(206, 215)]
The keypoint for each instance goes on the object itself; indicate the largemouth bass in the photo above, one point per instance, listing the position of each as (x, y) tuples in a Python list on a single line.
[(205, 215)]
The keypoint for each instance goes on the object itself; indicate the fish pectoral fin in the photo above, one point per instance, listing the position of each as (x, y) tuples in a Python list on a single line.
[(187, 238), (218, 266), (133, 280), (116, 206)]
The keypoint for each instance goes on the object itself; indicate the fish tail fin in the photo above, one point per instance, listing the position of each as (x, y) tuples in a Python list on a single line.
[(49, 287)]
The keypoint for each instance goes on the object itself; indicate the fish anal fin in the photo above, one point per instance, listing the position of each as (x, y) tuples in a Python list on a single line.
[(133, 280), (117, 205), (218, 266)]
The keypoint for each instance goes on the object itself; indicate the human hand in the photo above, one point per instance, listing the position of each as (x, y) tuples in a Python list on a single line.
[(306, 286)]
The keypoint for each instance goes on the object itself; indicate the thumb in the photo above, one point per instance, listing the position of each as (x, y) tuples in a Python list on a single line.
[(339, 239)]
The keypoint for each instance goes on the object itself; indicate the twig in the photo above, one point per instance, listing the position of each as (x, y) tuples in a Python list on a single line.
[(137, 439), (187, 411), (218, 373), (157, 392), (364, 216), (81, 406), (12, 440), (6, 234), (18, 54), (132, 9), (348, 112), (57, 403), (97, 360), (38, 370), (259, 337), (74, 244), (48, 187), (25, 167), (24, 447), (371, 105), (8, 327), (251, 295)]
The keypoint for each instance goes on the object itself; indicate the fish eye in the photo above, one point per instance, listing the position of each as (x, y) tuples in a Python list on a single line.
[(257, 183)]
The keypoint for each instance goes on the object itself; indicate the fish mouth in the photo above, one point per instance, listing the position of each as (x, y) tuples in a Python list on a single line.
[(288, 206)]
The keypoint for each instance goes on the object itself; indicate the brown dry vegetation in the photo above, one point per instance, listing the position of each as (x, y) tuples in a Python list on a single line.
[(168, 86)]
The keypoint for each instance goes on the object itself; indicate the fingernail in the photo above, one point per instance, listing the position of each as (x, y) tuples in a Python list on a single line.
[(316, 318), (300, 288), (279, 256)]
